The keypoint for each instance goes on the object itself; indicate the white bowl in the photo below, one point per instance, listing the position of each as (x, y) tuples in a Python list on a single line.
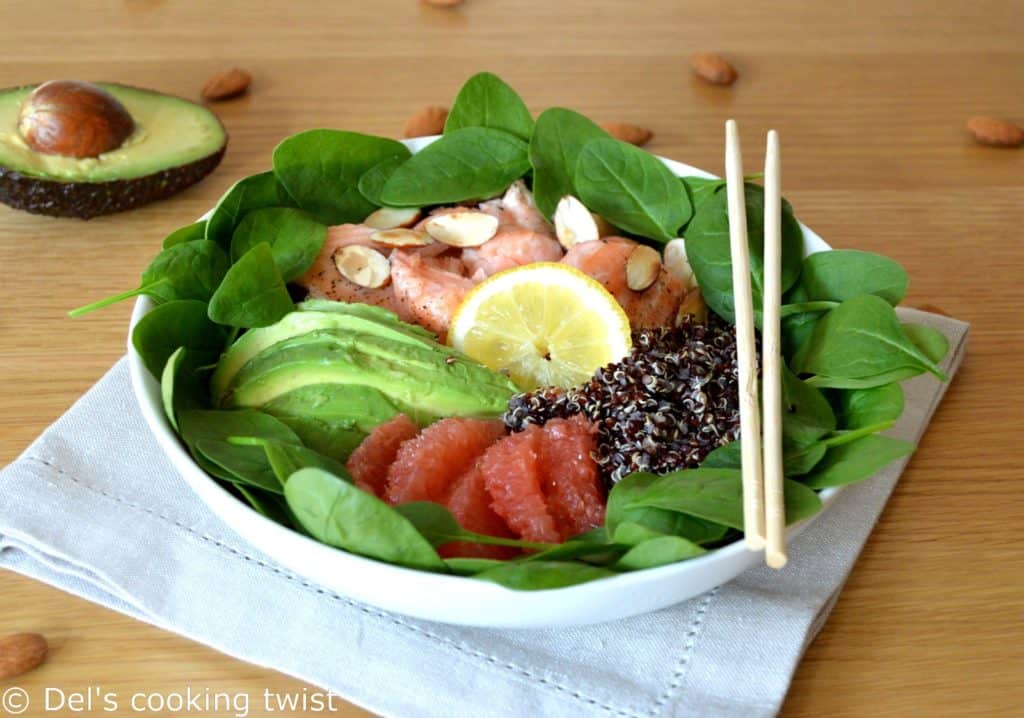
[(446, 598)]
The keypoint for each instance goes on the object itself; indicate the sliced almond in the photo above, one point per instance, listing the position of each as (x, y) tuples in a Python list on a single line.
[(362, 265), (574, 223), (642, 267), (391, 217), (21, 653), (677, 263), (463, 229), (401, 238), (518, 195), (693, 305), (604, 227)]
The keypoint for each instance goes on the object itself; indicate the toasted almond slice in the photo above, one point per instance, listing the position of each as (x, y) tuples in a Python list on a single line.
[(391, 217), (574, 223), (401, 238), (518, 195), (642, 267), (363, 266), (693, 305), (677, 263), (463, 229)]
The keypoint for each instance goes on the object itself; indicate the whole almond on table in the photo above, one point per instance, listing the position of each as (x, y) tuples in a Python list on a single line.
[(714, 68), (998, 133), (428, 121), (21, 653), (633, 134), (227, 84)]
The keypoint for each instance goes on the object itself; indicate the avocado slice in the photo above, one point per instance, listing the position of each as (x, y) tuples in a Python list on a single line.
[(353, 318), (418, 379), (175, 144)]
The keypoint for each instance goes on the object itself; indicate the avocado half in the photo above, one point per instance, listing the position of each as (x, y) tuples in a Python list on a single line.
[(174, 145)]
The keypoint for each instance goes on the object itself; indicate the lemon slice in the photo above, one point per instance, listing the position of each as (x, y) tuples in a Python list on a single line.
[(543, 324)]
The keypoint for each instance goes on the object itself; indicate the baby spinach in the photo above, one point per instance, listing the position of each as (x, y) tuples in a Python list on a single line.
[(286, 458), (469, 565), (168, 379), (181, 323), (631, 189), (861, 344), (708, 249), (701, 189), (190, 270), (857, 460), (436, 524), (540, 575), (268, 504), (558, 137), (796, 459), (858, 408), (657, 551), (712, 494), (259, 190), (252, 293), (321, 171), (486, 101), (806, 413), (471, 163), (336, 513), (843, 274), (629, 525), (796, 328), (185, 234), (932, 343), (294, 237), (371, 184)]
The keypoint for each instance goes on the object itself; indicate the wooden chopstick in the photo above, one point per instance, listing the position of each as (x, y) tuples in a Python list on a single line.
[(750, 420), (771, 358)]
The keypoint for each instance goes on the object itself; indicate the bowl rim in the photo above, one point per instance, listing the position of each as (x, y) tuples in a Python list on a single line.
[(147, 393)]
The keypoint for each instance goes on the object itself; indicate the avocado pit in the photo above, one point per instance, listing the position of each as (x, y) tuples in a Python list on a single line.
[(74, 119)]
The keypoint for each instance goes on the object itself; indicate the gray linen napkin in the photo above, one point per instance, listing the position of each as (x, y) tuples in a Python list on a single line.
[(93, 508)]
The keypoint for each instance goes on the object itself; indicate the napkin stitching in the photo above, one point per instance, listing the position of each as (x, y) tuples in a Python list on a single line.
[(692, 636), (494, 660)]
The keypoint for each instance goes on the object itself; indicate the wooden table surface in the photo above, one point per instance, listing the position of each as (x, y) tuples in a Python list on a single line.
[(870, 99)]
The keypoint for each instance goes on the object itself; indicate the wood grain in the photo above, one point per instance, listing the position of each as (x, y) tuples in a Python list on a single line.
[(870, 101)]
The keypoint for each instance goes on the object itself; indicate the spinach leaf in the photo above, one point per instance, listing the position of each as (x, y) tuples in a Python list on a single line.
[(260, 190), (270, 505), (181, 323), (806, 413), (470, 163), (843, 274), (252, 293), (796, 460), (467, 566), (701, 189), (436, 524), (857, 460), (294, 237), (336, 513), (540, 575), (486, 101), (558, 137), (796, 328), (206, 433), (190, 270), (861, 344), (593, 552), (657, 551), (631, 189), (708, 249), (371, 184), (619, 514), (321, 170), (863, 407), (287, 458), (932, 343), (168, 379), (187, 233), (712, 494)]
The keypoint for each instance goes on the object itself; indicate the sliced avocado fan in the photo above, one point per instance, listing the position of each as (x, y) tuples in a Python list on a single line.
[(175, 144)]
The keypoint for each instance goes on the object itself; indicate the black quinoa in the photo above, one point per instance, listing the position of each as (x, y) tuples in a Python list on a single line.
[(665, 407)]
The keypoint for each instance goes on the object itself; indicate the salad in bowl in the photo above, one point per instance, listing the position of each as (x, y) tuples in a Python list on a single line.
[(490, 377)]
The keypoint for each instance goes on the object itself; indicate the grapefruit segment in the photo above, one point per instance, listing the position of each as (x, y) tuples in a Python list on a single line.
[(369, 463)]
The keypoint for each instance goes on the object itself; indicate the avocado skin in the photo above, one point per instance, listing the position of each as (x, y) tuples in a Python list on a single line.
[(85, 200)]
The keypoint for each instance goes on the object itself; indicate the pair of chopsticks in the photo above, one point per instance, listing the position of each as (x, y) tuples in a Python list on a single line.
[(764, 510)]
